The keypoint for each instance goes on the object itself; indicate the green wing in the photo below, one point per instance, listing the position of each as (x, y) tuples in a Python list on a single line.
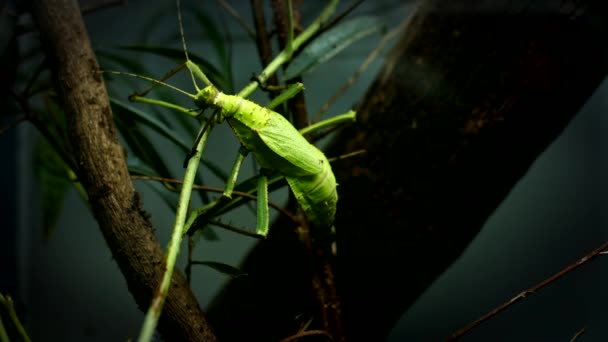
[(283, 139)]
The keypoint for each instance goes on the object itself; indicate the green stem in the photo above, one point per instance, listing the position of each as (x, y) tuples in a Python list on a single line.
[(180, 225), (3, 334), (285, 55), (349, 116), (8, 303), (155, 309)]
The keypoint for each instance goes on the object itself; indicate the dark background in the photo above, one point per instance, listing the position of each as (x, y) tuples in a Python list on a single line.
[(69, 288)]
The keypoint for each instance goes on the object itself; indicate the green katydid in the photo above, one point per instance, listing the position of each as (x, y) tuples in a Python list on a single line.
[(274, 142)]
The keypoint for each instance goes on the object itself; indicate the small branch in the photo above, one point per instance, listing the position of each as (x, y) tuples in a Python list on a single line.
[(346, 156), (7, 301), (458, 334), (578, 334), (102, 169), (230, 10), (220, 190), (284, 26), (308, 333), (262, 38), (237, 230)]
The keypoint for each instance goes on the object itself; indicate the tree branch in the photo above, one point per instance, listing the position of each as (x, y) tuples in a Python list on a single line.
[(102, 169)]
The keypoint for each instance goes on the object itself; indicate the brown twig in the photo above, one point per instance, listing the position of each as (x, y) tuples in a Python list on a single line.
[(327, 303), (236, 229), (458, 334), (101, 167), (263, 40), (578, 334), (219, 190), (307, 333), (230, 10), (297, 105)]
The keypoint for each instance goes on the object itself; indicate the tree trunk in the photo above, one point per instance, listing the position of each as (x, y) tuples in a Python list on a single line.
[(102, 170)]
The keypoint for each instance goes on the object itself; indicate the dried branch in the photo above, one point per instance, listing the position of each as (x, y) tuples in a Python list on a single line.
[(102, 169), (458, 334)]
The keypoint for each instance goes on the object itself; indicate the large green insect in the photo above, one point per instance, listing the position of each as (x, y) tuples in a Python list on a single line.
[(276, 145)]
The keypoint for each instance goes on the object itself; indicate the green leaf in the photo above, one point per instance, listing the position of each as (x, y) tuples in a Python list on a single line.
[(146, 119), (331, 42), (138, 142), (51, 174), (222, 268)]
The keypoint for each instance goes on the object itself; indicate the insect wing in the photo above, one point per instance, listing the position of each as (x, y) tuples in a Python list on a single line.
[(283, 139)]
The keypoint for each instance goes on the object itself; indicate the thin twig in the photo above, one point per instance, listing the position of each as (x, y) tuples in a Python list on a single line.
[(346, 156), (263, 40), (340, 16), (230, 10), (8, 303), (307, 333), (218, 190), (578, 334), (458, 334), (238, 230)]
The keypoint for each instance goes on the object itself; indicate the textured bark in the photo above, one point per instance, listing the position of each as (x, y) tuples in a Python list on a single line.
[(102, 169), (473, 92), (473, 95)]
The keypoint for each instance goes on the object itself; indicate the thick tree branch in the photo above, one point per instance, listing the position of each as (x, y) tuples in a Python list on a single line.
[(102, 169), (472, 93)]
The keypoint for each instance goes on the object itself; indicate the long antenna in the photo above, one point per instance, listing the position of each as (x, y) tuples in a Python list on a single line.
[(182, 35)]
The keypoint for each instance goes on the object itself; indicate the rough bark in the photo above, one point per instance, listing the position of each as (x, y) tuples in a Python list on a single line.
[(473, 92), (102, 170)]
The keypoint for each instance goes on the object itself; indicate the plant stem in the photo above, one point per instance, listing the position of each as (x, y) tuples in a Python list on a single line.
[(349, 116), (151, 319), (155, 309), (8, 303), (286, 54)]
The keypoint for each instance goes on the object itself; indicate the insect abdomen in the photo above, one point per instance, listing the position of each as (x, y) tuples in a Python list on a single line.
[(317, 195), (277, 145)]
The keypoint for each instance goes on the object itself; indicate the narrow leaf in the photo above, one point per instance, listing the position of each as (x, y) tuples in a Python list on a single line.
[(138, 142), (146, 119), (331, 42)]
